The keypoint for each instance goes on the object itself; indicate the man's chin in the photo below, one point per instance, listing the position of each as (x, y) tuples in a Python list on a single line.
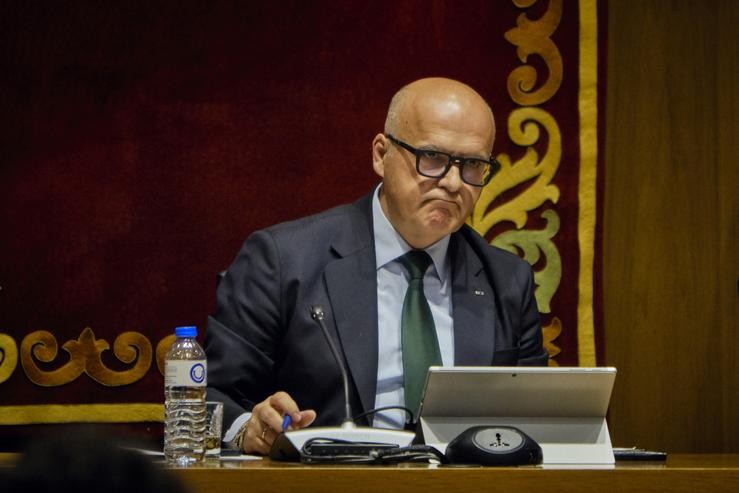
[(443, 224)]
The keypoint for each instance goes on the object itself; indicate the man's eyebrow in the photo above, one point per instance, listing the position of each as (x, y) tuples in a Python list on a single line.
[(432, 147)]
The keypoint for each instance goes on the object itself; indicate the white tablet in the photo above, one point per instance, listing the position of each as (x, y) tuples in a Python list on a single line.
[(517, 391), (562, 408)]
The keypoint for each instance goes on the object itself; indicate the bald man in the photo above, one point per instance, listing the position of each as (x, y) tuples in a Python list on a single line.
[(266, 356)]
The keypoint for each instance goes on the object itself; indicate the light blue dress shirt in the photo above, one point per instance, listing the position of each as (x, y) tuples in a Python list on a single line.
[(391, 287)]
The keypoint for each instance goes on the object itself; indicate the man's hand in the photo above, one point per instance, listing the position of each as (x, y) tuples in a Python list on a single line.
[(266, 422)]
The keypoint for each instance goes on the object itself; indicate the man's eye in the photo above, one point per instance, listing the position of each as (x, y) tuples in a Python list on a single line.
[(429, 154)]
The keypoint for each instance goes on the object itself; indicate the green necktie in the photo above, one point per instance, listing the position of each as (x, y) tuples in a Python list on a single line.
[(420, 345)]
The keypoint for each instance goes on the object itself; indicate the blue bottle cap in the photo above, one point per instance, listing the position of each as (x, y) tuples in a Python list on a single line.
[(187, 331)]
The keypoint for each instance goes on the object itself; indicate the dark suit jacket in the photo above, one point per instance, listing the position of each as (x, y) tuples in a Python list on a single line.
[(261, 337)]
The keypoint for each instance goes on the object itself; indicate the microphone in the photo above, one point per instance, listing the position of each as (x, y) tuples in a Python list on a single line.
[(361, 439), (316, 312)]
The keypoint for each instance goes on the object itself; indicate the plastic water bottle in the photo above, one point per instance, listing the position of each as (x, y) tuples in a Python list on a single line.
[(185, 377)]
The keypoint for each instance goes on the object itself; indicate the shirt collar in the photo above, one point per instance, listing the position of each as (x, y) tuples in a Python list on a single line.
[(389, 245)]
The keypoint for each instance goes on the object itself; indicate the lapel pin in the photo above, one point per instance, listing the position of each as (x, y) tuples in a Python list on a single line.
[(479, 292)]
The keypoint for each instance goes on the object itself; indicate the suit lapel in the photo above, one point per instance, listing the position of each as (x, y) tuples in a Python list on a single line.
[(473, 307), (351, 283)]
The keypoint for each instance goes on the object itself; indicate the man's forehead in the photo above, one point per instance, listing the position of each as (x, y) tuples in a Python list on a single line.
[(444, 106), (450, 124)]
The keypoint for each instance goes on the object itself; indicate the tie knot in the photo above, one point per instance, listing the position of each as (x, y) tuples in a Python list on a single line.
[(416, 262)]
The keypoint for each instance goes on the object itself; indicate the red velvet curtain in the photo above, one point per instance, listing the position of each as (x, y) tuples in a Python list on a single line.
[(143, 141)]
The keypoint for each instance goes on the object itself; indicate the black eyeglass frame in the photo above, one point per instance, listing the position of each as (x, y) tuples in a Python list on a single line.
[(456, 160)]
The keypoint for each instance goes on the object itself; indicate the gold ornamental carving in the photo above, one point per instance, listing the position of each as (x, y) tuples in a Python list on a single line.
[(525, 184), (536, 176), (533, 37), (8, 356), (534, 244), (529, 171), (550, 333), (85, 356)]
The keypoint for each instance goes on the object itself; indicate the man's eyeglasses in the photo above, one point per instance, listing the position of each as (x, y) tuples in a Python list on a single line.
[(435, 164)]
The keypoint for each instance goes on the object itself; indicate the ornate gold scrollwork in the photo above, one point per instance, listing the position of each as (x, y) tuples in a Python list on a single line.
[(85, 356), (522, 186), (550, 333), (8, 356), (533, 243), (126, 348), (42, 345), (537, 176), (533, 37)]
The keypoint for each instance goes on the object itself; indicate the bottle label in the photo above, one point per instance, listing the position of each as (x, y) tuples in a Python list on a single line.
[(185, 373)]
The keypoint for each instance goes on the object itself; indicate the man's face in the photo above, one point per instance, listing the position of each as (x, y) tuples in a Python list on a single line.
[(423, 210)]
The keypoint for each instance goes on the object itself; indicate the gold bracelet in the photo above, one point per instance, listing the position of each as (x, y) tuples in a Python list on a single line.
[(241, 434)]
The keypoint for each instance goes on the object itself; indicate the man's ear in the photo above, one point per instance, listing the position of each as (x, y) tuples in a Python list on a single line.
[(379, 150)]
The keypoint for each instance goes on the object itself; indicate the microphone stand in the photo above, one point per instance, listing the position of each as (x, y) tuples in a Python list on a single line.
[(287, 445)]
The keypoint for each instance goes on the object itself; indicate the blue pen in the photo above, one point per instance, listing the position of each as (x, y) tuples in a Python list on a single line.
[(286, 421)]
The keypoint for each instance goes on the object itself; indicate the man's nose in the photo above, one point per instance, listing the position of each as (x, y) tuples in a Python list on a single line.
[(452, 180)]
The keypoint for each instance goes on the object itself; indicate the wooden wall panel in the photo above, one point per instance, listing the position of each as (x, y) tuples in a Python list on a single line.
[(670, 223)]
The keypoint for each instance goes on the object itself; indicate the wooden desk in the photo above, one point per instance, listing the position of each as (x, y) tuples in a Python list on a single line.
[(681, 473)]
